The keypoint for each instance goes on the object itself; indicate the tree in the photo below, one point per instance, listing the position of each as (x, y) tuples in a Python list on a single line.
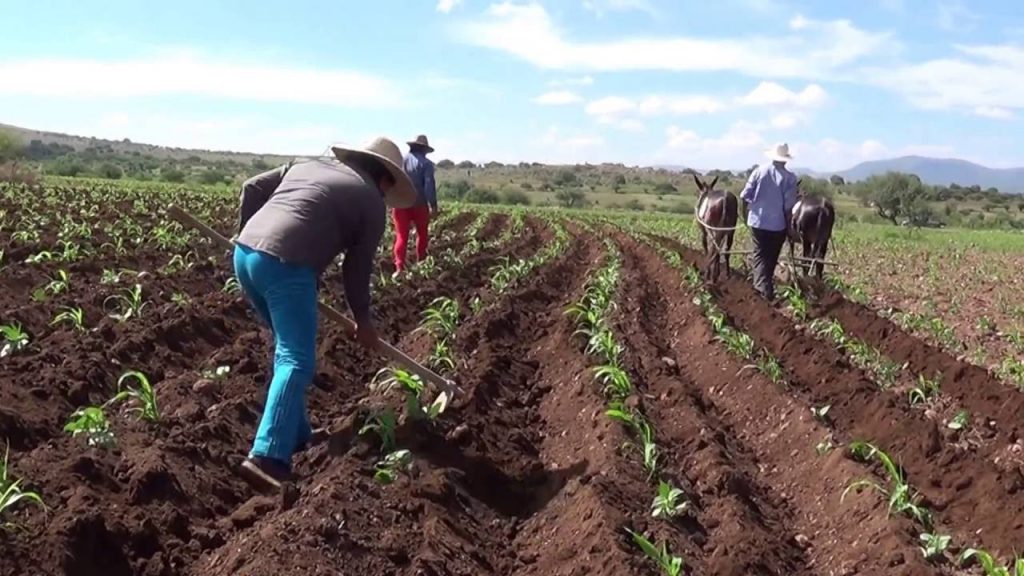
[(571, 198), (515, 197), (446, 164), (897, 197), (466, 164), (815, 187), (482, 196), (618, 182), (456, 190), (837, 180), (10, 146), (172, 175), (110, 170), (260, 164), (565, 178), (212, 176)]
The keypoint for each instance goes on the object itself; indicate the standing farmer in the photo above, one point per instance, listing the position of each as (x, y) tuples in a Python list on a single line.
[(770, 194), (294, 221), (421, 171)]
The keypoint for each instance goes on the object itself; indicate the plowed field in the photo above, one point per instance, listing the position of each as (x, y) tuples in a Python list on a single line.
[(526, 473)]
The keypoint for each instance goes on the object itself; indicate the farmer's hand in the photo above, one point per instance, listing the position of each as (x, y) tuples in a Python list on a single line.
[(366, 334)]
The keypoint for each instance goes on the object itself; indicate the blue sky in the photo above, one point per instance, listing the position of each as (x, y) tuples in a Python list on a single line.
[(703, 84)]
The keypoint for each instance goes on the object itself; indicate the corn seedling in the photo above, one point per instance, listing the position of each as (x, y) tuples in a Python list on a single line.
[(71, 316), (824, 447), (961, 421), (91, 422), (231, 286), (901, 498), (795, 298), (668, 564), (181, 299), (1012, 370), (990, 565), (821, 413), (738, 343), (383, 424), (412, 385), (640, 427), (144, 396), (11, 493), (129, 301), (924, 390), (15, 339), (934, 545), (387, 469), (615, 380), (670, 501)]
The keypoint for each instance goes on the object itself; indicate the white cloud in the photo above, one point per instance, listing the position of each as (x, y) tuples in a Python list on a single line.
[(743, 144), (556, 145), (610, 106), (787, 120), (955, 15), (994, 112), (445, 6), (600, 7), (987, 80), (774, 94), (558, 98), (581, 81), (188, 74), (654, 105), (817, 49)]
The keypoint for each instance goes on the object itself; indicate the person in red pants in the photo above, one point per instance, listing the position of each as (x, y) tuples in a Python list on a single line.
[(421, 171)]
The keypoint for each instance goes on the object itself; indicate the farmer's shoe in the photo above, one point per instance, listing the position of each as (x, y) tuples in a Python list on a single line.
[(265, 473)]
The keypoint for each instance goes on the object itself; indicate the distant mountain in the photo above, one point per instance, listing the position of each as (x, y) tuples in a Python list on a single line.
[(942, 172)]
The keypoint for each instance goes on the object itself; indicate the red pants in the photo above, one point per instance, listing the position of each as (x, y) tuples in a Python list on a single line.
[(402, 217)]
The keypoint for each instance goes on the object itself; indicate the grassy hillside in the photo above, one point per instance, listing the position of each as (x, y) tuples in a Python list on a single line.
[(603, 186)]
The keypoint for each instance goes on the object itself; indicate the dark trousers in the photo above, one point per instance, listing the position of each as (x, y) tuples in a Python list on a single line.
[(767, 247)]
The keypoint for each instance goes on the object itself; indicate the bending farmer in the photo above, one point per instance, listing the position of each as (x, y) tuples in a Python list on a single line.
[(770, 195), (294, 221), (421, 171)]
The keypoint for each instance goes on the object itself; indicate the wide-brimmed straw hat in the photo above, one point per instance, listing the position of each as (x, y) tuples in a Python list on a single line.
[(780, 153), (386, 153), (421, 140)]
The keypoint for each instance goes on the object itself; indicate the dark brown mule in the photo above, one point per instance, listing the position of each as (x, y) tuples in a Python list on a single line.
[(718, 210), (811, 223)]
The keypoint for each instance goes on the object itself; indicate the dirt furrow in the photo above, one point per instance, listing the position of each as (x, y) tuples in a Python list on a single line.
[(741, 527), (767, 442), (482, 481), (974, 497), (973, 388), (176, 473)]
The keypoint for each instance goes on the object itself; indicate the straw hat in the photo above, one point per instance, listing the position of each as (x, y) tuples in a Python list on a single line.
[(780, 153), (421, 140), (386, 153)]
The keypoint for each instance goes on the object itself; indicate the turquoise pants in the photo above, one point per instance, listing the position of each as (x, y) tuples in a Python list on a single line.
[(284, 295)]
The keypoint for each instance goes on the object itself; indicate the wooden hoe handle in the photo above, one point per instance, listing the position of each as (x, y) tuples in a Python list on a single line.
[(390, 351)]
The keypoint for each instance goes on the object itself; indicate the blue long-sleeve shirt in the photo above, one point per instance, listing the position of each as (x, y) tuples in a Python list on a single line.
[(421, 171), (770, 194)]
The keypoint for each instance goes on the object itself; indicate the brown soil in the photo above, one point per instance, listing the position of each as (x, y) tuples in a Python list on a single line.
[(523, 475), (974, 495)]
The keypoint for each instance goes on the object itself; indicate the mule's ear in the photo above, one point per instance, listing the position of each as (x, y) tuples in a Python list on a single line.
[(696, 180), (713, 182)]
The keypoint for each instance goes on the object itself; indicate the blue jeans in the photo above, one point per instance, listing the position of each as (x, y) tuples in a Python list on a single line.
[(284, 295)]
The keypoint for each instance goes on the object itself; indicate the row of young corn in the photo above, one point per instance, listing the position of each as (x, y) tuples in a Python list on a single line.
[(901, 497), (440, 321), (591, 316)]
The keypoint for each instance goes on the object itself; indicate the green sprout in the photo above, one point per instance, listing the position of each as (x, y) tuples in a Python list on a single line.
[(72, 316), (669, 502), (91, 422), (15, 339), (934, 544), (670, 565), (11, 492), (386, 470), (383, 424), (144, 395)]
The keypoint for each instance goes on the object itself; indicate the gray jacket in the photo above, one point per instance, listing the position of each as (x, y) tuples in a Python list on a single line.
[(308, 212)]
